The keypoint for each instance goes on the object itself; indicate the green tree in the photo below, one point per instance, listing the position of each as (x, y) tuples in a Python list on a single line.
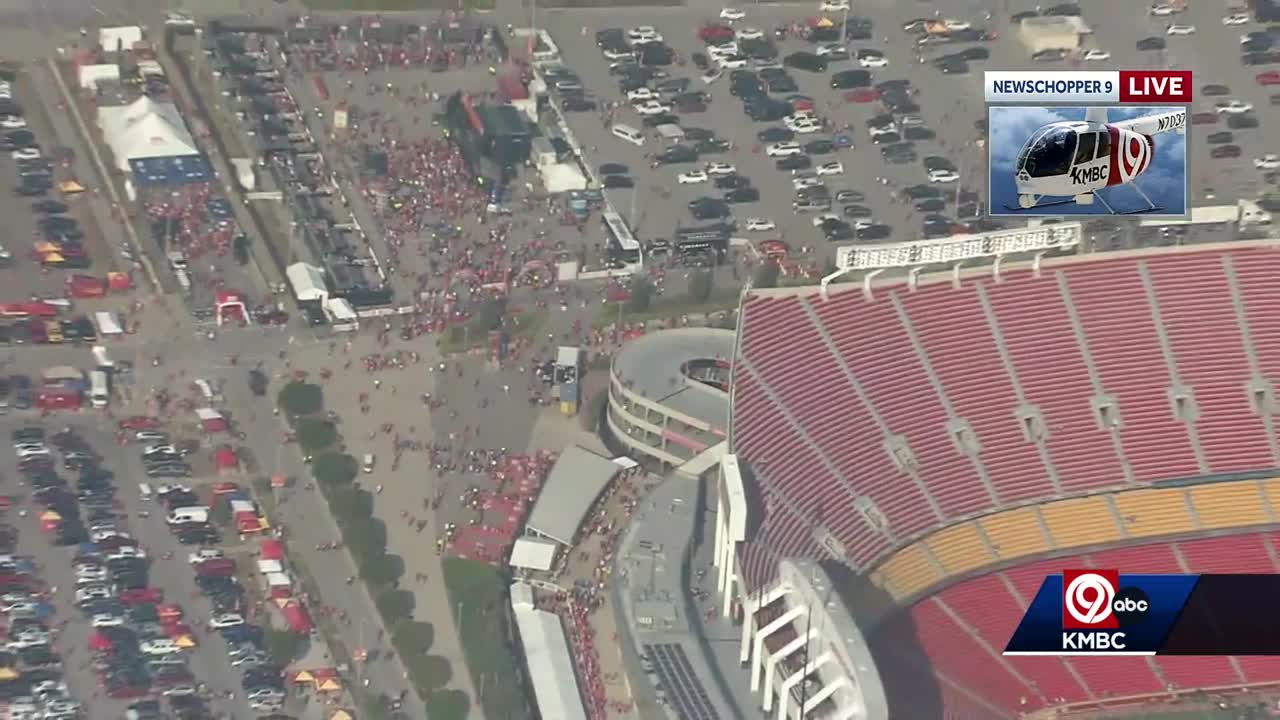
[(413, 637), (298, 398), (429, 673), (332, 469), (491, 314), (700, 286), (394, 606), (448, 705), (316, 435), (766, 275), (284, 646), (642, 292), (382, 570)]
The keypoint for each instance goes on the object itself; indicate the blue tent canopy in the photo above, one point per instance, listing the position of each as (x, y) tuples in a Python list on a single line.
[(179, 170)]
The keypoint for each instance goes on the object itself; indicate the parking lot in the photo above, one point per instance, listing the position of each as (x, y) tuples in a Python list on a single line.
[(950, 105)]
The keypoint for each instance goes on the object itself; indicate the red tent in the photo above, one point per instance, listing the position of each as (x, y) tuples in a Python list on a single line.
[(86, 286), (280, 592), (99, 642), (225, 459), (39, 308), (296, 615), (272, 549)]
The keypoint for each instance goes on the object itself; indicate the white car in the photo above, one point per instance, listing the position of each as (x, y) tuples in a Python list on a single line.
[(749, 34), (618, 54), (732, 13), (26, 154), (720, 168), (911, 121), (90, 574), (835, 167), (217, 622), (806, 128), (955, 25), (203, 554), (834, 6), (1180, 30), (101, 621), (1234, 107), (770, 64), (162, 646), (693, 177), (728, 49), (12, 122), (1163, 10), (799, 118), (154, 437), (30, 450), (712, 75), (652, 107), (642, 94), (159, 450), (732, 62), (783, 149), (821, 218), (643, 34), (878, 130), (760, 225), (874, 61), (1096, 55), (1236, 19), (805, 181), (1270, 161), (943, 176)]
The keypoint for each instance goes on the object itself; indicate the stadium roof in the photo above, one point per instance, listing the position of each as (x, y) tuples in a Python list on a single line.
[(575, 482), (551, 667), (145, 129), (651, 365)]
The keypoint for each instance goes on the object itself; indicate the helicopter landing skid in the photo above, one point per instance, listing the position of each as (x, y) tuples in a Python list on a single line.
[(1039, 205), (1151, 207)]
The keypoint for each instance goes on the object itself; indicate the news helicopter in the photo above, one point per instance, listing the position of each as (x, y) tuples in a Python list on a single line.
[(1076, 159)]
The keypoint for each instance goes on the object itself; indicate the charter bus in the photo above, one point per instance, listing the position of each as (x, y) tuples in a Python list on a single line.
[(623, 246)]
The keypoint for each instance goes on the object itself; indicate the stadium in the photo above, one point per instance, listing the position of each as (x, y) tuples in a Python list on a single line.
[(939, 438)]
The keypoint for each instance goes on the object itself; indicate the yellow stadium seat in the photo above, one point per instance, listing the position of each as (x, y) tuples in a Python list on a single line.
[(1224, 505), (1015, 533), (908, 572), (1154, 512), (1080, 522), (1271, 488), (960, 548)]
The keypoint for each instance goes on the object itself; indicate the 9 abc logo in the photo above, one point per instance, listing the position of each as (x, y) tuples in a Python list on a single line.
[(1094, 600)]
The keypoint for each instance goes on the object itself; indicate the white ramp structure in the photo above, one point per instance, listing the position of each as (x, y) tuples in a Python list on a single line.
[(806, 655)]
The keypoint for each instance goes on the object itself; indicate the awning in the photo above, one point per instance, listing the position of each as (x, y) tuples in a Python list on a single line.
[(272, 550)]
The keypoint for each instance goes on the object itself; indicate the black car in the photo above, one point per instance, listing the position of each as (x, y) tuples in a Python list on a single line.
[(1242, 122), (1256, 44), (1271, 57), (781, 84), (938, 162), (742, 195), (49, 207), (954, 68), (1149, 44), (836, 230), (690, 107), (849, 79), (656, 54), (732, 182), (692, 134), (918, 134), (32, 189), (766, 109), (775, 134), (700, 60), (921, 192), (19, 139), (1057, 55), (886, 86), (746, 89), (617, 182), (974, 54), (577, 104), (1219, 138), (709, 209), (807, 61), (677, 154), (794, 162), (886, 139), (712, 146), (1215, 90), (931, 205), (857, 211), (818, 147), (660, 119), (610, 36)]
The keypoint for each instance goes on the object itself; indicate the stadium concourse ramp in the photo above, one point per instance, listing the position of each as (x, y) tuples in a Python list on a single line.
[(935, 439)]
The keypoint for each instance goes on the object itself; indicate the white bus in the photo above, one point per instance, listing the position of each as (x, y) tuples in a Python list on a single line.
[(102, 359), (622, 245), (99, 392)]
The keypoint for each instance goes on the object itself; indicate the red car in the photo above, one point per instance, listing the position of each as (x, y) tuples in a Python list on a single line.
[(1204, 118), (1223, 152), (713, 33), (1270, 77), (221, 567), (128, 692), (862, 95)]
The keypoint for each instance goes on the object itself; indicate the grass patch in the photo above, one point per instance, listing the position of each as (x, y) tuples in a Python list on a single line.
[(478, 600), (665, 308), (473, 334), (396, 5)]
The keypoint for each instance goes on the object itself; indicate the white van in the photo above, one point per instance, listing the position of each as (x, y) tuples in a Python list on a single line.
[(207, 393), (368, 462), (145, 492), (628, 133), (188, 515)]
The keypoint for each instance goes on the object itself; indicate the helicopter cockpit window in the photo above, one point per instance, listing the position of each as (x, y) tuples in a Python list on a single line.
[(1088, 142), (1052, 153)]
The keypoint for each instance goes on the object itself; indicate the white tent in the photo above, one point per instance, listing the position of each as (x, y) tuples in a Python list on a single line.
[(533, 553), (91, 76), (114, 39), (145, 129), (546, 653), (307, 281)]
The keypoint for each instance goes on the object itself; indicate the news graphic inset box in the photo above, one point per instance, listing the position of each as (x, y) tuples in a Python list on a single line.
[(1088, 143), (1056, 160)]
